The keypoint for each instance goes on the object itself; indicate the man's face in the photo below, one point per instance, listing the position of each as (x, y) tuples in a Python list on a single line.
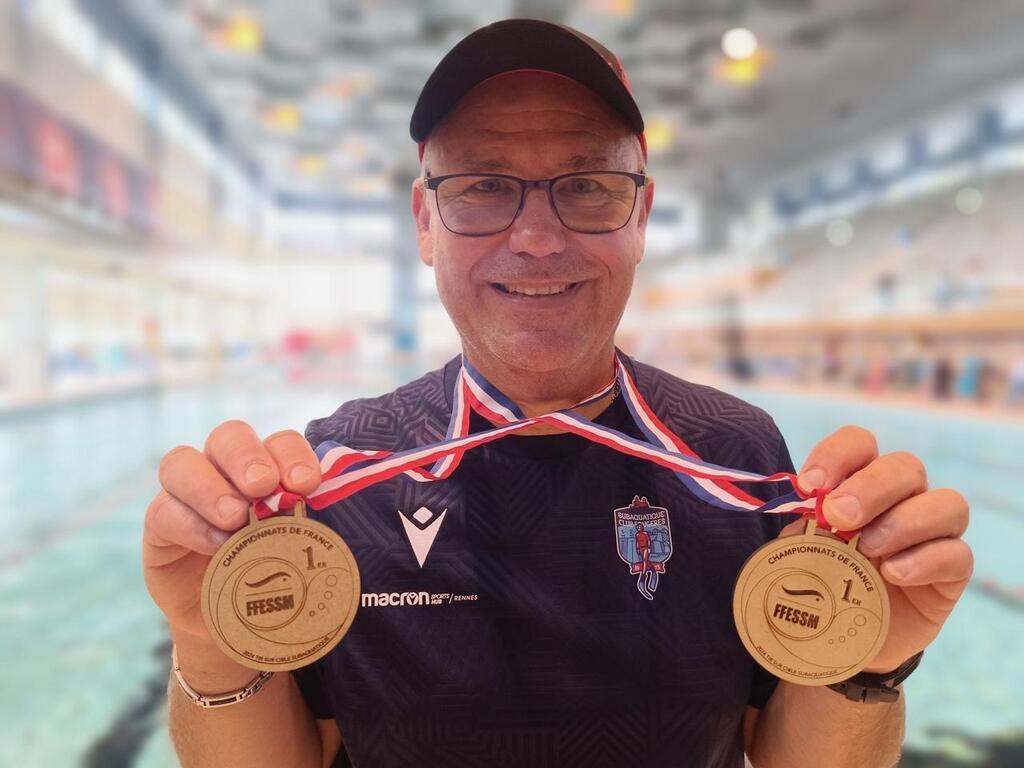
[(534, 126)]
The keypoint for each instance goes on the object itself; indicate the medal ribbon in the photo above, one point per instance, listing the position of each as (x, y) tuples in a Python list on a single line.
[(346, 470)]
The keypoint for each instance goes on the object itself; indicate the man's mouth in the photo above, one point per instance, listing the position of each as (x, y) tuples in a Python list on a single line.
[(517, 289)]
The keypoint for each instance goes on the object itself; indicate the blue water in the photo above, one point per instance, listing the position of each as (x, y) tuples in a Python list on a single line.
[(81, 641)]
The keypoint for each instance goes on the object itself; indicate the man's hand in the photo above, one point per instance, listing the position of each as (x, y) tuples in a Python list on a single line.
[(912, 534), (205, 497)]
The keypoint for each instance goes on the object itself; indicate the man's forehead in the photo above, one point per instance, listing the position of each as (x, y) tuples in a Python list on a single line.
[(499, 161), (531, 153)]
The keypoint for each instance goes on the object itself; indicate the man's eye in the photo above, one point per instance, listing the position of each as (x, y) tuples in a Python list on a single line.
[(490, 186), (583, 186)]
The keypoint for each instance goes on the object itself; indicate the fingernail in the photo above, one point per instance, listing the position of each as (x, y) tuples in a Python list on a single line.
[(230, 508), (873, 537), (900, 567), (843, 512), (301, 475), (811, 478), (217, 536), (256, 472)]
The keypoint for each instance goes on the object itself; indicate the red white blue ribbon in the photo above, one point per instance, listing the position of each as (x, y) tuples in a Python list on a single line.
[(348, 470)]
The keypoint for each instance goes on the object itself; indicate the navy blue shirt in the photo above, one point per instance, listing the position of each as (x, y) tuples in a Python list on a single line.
[(525, 638)]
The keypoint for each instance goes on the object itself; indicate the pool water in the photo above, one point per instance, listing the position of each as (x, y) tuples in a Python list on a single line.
[(84, 651)]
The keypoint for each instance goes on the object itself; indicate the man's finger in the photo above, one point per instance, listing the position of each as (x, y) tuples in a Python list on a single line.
[(942, 513), (837, 456), (240, 455), (188, 476), (874, 489), (297, 464), (795, 527), (940, 561), (169, 522)]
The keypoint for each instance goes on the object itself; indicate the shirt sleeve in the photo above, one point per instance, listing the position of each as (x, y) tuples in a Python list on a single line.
[(310, 686), (763, 682)]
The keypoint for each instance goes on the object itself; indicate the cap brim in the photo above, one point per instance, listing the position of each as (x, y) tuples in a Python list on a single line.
[(516, 44)]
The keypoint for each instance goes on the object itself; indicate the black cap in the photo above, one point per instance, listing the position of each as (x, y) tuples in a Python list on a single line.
[(506, 46)]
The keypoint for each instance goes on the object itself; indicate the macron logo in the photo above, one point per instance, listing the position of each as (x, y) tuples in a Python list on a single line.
[(421, 529)]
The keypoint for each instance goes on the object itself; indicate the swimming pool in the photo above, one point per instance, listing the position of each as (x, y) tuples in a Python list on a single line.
[(84, 652)]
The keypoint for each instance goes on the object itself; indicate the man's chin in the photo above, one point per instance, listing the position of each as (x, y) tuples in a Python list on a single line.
[(539, 352)]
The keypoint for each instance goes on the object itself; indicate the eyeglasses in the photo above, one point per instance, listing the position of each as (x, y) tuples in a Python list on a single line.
[(591, 202)]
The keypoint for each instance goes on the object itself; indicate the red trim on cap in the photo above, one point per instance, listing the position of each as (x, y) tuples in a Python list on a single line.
[(621, 72)]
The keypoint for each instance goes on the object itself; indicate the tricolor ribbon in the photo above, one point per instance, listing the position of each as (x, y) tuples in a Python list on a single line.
[(346, 470)]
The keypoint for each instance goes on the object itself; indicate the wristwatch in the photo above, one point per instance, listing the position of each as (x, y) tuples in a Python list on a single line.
[(877, 687)]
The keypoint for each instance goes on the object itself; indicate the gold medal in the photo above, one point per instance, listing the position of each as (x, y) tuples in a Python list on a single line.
[(811, 609), (281, 592)]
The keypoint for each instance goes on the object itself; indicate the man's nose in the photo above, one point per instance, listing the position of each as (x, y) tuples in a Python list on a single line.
[(537, 231)]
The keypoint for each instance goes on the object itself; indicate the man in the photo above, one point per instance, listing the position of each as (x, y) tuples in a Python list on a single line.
[(537, 664)]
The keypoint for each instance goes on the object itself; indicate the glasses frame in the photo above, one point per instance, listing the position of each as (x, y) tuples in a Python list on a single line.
[(433, 182)]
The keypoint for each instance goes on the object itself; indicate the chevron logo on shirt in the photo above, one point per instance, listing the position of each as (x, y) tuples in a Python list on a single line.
[(421, 529)]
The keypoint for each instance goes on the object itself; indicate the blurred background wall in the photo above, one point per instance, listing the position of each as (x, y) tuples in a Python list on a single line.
[(204, 215)]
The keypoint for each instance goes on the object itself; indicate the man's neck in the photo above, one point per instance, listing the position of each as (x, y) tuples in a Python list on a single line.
[(537, 393)]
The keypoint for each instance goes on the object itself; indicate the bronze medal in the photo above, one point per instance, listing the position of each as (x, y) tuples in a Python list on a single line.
[(281, 592), (811, 609)]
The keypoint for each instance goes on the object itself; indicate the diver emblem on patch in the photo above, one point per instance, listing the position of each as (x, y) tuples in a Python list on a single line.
[(643, 539)]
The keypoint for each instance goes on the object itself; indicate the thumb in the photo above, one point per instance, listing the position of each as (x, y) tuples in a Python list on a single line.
[(794, 528)]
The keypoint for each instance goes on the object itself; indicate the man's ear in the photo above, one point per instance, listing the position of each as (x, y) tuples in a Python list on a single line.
[(648, 203), (422, 215)]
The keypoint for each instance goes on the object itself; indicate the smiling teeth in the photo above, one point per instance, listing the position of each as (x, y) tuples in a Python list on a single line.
[(526, 291)]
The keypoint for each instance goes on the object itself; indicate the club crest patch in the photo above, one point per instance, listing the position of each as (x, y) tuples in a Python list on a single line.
[(644, 541)]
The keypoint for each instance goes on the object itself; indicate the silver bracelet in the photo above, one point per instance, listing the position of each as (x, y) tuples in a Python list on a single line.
[(217, 699)]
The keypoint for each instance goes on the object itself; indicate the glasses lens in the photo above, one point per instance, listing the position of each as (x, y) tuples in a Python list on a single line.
[(594, 202), (478, 205)]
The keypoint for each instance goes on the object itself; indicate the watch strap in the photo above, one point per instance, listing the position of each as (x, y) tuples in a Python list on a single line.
[(877, 687)]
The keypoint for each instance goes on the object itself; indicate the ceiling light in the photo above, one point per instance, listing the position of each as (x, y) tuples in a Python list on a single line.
[(282, 116), (242, 32), (621, 8), (739, 43), (659, 133), (741, 71), (969, 201)]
